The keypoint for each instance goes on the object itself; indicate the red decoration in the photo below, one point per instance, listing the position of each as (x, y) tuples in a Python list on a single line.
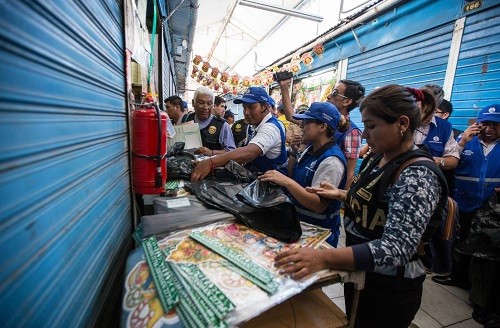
[(235, 79), (205, 66), (318, 49), (224, 77), (215, 72), (307, 59), (197, 59)]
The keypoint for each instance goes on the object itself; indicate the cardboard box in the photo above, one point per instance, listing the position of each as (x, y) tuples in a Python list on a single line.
[(311, 308)]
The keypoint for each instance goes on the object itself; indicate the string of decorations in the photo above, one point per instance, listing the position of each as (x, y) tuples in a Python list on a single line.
[(224, 82)]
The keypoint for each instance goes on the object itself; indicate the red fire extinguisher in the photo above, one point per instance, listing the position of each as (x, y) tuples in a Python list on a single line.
[(149, 144)]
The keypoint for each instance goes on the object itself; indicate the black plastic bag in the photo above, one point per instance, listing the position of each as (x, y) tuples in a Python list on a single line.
[(179, 162), (279, 220)]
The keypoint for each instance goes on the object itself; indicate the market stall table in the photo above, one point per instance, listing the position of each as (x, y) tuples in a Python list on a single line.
[(142, 308)]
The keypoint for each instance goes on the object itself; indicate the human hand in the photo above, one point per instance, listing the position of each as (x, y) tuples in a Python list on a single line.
[(285, 83), (300, 262), (469, 133), (326, 190), (201, 169), (204, 151), (295, 142), (274, 176)]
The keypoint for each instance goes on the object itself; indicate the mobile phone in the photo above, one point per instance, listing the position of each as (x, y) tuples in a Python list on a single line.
[(284, 75)]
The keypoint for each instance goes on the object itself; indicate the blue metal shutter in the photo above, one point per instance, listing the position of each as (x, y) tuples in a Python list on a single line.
[(65, 223), (413, 61), (477, 77)]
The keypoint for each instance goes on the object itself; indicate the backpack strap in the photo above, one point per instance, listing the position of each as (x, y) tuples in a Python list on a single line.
[(408, 163), (450, 226)]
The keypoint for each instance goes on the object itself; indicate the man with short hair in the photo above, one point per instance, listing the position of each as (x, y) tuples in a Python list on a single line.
[(229, 117), (175, 110), (444, 111), (216, 135), (265, 147), (219, 106)]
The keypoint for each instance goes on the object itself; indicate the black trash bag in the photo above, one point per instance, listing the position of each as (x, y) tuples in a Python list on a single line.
[(484, 239), (180, 166), (179, 162), (233, 171), (278, 221), (262, 194)]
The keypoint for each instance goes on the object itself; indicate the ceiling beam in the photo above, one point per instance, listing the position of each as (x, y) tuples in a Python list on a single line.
[(223, 28), (280, 10)]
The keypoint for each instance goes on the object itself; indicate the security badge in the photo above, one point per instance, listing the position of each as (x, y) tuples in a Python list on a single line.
[(212, 129), (237, 127)]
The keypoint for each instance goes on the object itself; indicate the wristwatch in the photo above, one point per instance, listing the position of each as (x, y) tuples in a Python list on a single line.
[(441, 162)]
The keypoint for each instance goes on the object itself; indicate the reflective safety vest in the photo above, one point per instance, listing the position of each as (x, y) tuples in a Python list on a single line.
[(303, 174), (263, 163), (437, 137), (476, 175)]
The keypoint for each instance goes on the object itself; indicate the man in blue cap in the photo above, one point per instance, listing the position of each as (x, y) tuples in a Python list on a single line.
[(477, 176), (265, 147)]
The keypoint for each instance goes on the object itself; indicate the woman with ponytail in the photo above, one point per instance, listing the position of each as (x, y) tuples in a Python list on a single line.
[(387, 209)]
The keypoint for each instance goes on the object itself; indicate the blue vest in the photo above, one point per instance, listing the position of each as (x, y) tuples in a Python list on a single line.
[(263, 163), (340, 136), (476, 176), (303, 174), (438, 137)]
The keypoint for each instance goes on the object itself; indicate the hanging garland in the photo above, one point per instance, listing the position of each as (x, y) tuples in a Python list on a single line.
[(213, 78)]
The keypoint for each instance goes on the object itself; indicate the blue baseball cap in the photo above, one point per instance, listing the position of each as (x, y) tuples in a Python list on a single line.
[(252, 96), (184, 104), (489, 113), (321, 111)]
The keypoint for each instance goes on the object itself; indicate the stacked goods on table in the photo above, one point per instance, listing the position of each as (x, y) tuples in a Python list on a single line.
[(216, 276)]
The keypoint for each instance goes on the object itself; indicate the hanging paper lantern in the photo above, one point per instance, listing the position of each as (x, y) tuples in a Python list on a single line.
[(205, 66), (257, 80), (246, 81), (216, 86), (235, 79), (197, 59), (195, 70), (199, 78), (307, 59), (295, 59), (225, 89), (295, 68), (235, 91), (318, 49), (224, 77), (269, 77), (215, 72)]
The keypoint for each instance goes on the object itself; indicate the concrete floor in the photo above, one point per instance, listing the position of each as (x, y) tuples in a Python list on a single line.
[(442, 306)]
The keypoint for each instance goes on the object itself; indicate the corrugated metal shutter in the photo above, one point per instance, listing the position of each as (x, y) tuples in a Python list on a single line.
[(65, 223), (477, 77), (414, 61)]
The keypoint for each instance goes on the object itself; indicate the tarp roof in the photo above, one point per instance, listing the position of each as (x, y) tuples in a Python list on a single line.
[(243, 40)]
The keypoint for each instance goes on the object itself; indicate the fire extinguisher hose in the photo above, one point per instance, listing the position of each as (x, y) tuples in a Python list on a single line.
[(159, 155)]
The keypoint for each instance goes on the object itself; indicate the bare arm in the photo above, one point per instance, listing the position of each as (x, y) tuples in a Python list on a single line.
[(240, 155), (287, 102), (309, 200), (328, 190), (351, 167), (303, 261)]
